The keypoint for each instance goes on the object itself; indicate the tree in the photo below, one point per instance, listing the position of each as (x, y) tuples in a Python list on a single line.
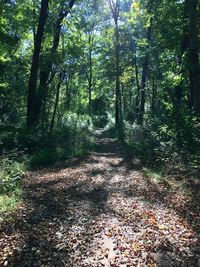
[(45, 73), (115, 8), (32, 108), (193, 55)]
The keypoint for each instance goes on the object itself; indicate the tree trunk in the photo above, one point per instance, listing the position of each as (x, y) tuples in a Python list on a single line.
[(115, 6), (68, 95), (136, 75), (45, 74), (90, 73), (193, 56), (117, 101), (144, 76), (32, 107), (56, 102), (153, 100)]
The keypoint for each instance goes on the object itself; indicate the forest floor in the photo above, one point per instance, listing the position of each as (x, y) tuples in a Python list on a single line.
[(103, 211)]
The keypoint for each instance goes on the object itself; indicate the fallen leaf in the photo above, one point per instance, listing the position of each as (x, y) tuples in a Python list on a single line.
[(162, 227), (136, 247)]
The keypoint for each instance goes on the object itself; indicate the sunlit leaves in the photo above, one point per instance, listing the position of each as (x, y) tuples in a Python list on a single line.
[(135, 6)]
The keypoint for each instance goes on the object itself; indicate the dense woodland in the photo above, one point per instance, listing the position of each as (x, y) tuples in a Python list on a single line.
[(136, 62), (94, 76)]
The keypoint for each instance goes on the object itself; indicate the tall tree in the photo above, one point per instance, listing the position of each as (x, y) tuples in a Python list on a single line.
[(193, 55), (32, 114), (145, 65), (115, 9), (90, 75), (45, 74)]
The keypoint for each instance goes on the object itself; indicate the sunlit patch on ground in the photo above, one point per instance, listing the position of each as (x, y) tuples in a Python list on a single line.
[(98, 212)]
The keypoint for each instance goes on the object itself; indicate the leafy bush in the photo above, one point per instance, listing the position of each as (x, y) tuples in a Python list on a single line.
[(74, 120), (141, 142), (99, 111), (72, 139), (11, 174), (100, 121), (165, 143), (44, 157), (7, 137)]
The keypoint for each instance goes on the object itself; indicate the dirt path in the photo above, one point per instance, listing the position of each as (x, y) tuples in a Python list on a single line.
[(101, 212)]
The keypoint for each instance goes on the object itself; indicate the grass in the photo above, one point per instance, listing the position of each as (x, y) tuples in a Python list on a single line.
[(9, 203), (154, 176)]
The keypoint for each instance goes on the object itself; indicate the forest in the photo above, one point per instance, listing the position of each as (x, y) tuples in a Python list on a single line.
[(100, 133)]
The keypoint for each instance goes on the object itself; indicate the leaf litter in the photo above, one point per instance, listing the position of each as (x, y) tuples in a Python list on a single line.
[(100, 212)]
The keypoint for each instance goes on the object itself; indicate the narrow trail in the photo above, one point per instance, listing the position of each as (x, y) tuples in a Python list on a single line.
[(101, 211)]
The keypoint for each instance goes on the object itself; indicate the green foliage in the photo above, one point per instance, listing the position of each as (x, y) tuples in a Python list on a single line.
[(9, 203), (74, 120), (154, 175), (11, 175), (71, 140), (141, 142), (162, 144), (99, 110), (100, 121), (45, 157)]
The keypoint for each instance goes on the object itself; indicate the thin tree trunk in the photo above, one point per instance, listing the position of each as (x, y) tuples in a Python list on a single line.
[(153, 100), (32, 107), (123, 100), (115, 6), (90, 73), (143, 90), (56, 102), (68, 95), (144, 76), (137, 101), (117, 102)]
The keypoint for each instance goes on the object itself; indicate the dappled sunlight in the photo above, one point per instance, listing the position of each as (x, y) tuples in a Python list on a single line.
[(100, 212), (99, 133)]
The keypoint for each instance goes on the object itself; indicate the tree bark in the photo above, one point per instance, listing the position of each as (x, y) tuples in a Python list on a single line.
[(45, 74), (90, 73), (154, 96), (193, 56), (115, 12), (137, 99), (118, 97), (32, 85), (144, 76), (56, 102)]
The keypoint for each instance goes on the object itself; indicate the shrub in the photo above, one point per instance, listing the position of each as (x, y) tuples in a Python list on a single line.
[(11, 175), (72, 139), (100, 121)]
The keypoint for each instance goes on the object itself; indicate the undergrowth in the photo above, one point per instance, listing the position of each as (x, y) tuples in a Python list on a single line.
[(160, 146), (68, 140), (11, 174), (71, 139)]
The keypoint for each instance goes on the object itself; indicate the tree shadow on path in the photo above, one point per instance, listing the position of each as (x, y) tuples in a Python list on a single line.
[(64, 204)]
